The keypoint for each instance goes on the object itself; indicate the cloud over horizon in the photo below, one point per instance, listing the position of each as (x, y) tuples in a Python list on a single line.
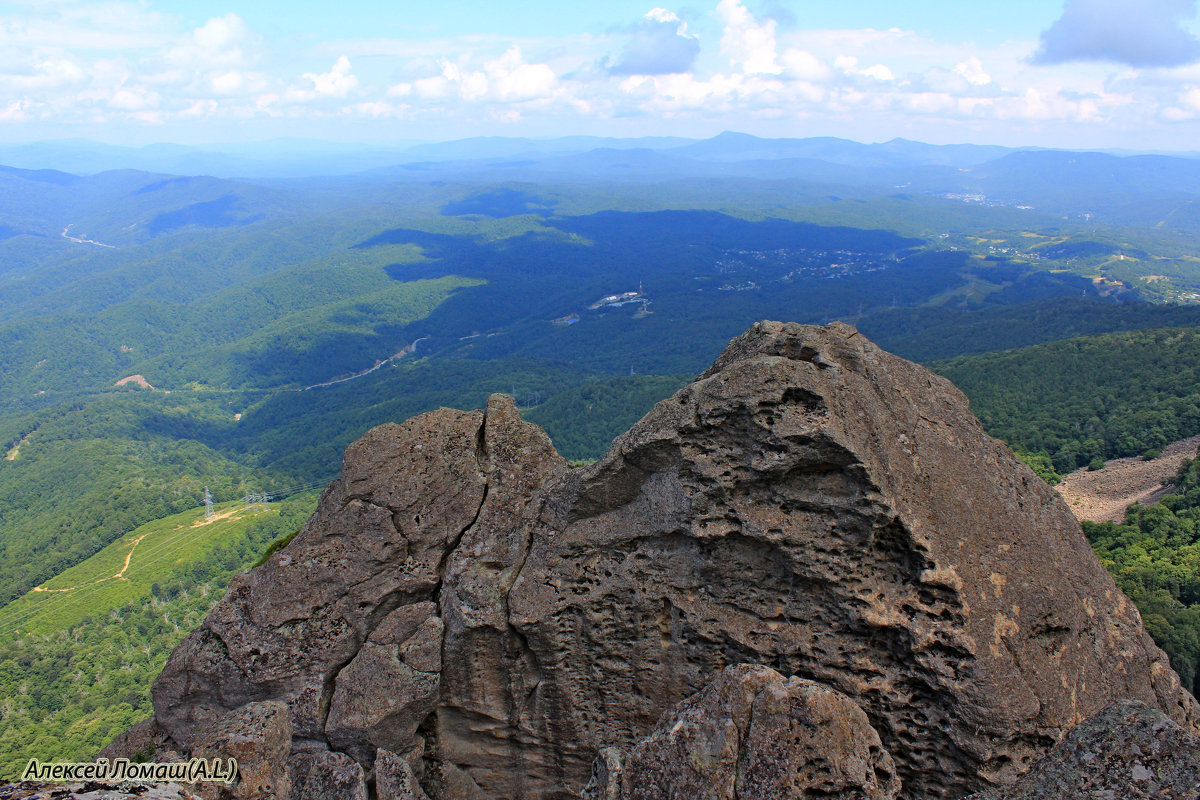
[(66, 71), (1139, 33), (659, 45)]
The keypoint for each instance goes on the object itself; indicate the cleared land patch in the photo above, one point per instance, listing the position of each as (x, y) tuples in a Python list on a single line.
[(1103, 494), (129, 568)]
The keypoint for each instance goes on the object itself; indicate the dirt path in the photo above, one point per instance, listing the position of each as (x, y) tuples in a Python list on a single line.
[(120, 576), (231, 512), (1102, 496), (13, 454), (79, 240)]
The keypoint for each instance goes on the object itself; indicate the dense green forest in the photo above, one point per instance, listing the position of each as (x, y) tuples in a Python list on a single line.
[(78, 476), (1155, 557), (1098, 397), (583, 421)]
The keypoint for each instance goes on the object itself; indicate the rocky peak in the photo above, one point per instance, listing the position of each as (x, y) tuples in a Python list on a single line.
[(469, 611)]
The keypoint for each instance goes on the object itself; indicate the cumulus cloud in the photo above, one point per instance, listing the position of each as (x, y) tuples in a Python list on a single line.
[(218, 42), (338, 82), (749, 44), (512, 79), (77, 68), (660, 45), (1140, 33), (972, 72), (507, 79)]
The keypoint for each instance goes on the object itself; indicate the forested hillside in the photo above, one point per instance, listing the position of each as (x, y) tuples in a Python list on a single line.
[(1155, 557), (1091, 398)]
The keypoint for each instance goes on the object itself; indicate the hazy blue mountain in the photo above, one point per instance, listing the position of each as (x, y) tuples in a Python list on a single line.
[(276, 158), (488, 148), (731, 146)]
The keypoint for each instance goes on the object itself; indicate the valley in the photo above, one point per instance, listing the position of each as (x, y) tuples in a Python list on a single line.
[(237, 335)]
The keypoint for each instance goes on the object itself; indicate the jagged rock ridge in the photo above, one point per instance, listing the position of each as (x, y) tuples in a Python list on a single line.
[(467, 604)]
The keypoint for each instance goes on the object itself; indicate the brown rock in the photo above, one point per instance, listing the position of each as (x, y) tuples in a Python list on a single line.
[(1126, 752), (390, 686), (259, 737), (810, 503), (140, 743), (323, 775), (753, 735), (379, 540), (394, 778)]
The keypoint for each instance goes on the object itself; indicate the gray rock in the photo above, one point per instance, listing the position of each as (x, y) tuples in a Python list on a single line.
[(1126, 752), (259, 737), (606, 775), (323, 775), (753, 735), (810, 503), (391, 684), (378, 541)]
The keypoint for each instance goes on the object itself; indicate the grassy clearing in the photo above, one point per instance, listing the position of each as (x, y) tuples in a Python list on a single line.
[(66, 691), (127, 569)]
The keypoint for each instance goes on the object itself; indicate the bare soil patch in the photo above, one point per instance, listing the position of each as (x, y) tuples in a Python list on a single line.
[(136, 380), (1102, 495)]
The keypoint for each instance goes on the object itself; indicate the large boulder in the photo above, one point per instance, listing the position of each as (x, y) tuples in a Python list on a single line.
[(465, 600), (753, 735), (1126, 752)]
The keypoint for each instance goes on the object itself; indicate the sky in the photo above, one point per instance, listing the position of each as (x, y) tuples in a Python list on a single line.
[(1079, 73)]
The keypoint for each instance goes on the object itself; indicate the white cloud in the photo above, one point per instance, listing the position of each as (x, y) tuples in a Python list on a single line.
[(47, 74), (506, 79), (879, 72), (338, 82), (805, 66), (219, 33), (1141, 33), (658, 45), (219, 42), (749, 45), (80, 62), (514, 80), (972, 71)]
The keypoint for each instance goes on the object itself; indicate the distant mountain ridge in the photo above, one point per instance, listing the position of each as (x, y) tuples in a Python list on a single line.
[(298, 158)]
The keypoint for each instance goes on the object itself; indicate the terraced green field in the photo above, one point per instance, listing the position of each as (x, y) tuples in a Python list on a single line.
[(133, 566), (77, 660)]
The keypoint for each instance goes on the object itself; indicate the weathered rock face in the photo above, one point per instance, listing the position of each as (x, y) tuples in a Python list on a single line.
[(258, 736), (1126, 752), (466, 601), (753, 735)]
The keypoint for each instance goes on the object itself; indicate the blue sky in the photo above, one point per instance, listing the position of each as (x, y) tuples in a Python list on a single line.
[(1079, 73)]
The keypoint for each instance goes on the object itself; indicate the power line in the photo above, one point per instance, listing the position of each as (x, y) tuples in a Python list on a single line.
[(37, 612), (53, 605)]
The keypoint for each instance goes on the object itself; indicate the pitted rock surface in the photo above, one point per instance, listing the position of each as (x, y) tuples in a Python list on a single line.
[(1126, 752), (753, 735), (810, 503)]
